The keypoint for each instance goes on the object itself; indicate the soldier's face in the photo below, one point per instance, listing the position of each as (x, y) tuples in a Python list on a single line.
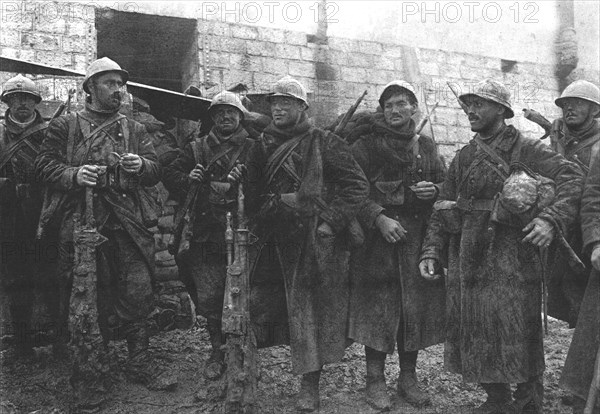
[(483, 114), (577, 112), (286, 111), (397, 110), (226, 118), (106, 91), (22, 106)]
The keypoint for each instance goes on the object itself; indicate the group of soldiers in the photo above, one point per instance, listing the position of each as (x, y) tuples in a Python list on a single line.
[(374, 242)]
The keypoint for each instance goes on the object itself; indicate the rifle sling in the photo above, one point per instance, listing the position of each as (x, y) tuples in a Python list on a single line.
[(280, 155), (86, 134), (16, 146)]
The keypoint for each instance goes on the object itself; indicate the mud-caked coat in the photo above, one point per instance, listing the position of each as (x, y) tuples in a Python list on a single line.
[(387, 293), (566, 286), (117, 207), (26, 264), (493, 327), (215, 198), (578, 371), (300, 275), (21, 191)]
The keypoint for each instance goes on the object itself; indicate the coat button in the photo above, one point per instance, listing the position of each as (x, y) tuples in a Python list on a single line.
[(124, 195), (418, 156), (419, 170), (119, 135), (575, 142)]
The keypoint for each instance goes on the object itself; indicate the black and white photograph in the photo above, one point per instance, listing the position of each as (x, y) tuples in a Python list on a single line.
[(312, 206)]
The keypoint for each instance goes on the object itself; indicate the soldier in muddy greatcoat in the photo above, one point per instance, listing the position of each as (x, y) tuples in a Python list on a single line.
[(577, 136), (98, 147), (493, 301), (578, 371), (207, 161), (25, 263), (306, 188), (389, 301)]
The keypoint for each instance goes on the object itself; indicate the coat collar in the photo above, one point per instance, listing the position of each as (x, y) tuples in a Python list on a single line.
[(238, 137)]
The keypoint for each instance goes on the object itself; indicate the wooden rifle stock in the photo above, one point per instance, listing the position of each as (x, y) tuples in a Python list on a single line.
[(348, 115), (240, 343)]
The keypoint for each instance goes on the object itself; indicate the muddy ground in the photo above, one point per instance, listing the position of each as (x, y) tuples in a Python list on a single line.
[(41, 385)]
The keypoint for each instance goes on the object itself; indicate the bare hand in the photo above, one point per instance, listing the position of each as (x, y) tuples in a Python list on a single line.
[(325, 230), (541, 232), (197, 173), (596, 257), (425, 190), (237, 173), (87, 175), (132, 163), (430, 269), (390, 229)]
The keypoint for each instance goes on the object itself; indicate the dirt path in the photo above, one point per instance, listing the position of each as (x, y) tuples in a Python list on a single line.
[(42, 386)]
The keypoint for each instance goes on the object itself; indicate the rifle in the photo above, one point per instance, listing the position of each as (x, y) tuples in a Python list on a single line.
[(535, 116), (240, 344), (348, 115), (66, 104), (184, 221), (423, 121), (89, 357), (461, 103)]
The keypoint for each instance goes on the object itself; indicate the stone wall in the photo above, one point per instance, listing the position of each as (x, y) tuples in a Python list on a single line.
[(335, 71)]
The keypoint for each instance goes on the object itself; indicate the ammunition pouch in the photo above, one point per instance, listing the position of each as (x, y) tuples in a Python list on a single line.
[(388, 193), (450, 215)]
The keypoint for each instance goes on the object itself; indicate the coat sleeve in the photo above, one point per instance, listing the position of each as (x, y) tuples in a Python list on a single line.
[(436, 238), (175, 175), (568, 177), (590, 207), (369, 209), (51, 163), (340, 166), (150, 174)]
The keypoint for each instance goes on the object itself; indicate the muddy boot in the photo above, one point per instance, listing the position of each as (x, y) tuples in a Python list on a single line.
[(408, 386), (141, 367), (308, 397), (529, 396), (499, 400), (215, 366), (376, 391)]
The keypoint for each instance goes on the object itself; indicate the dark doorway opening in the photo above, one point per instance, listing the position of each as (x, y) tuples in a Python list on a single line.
[(153, 49)]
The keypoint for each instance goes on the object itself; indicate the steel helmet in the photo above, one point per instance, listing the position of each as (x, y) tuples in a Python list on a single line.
[(229, 99), (20, 84), (580, 89), (288, 86), (402, 85), (102, 66), (492, 91)]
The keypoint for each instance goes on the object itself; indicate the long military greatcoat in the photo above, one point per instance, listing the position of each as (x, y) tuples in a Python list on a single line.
[(207, 260), (312, 268), (579, 367), (117, 207), (565, 286), (494, 329), (21, 191), (388, 297), (26, 264)]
